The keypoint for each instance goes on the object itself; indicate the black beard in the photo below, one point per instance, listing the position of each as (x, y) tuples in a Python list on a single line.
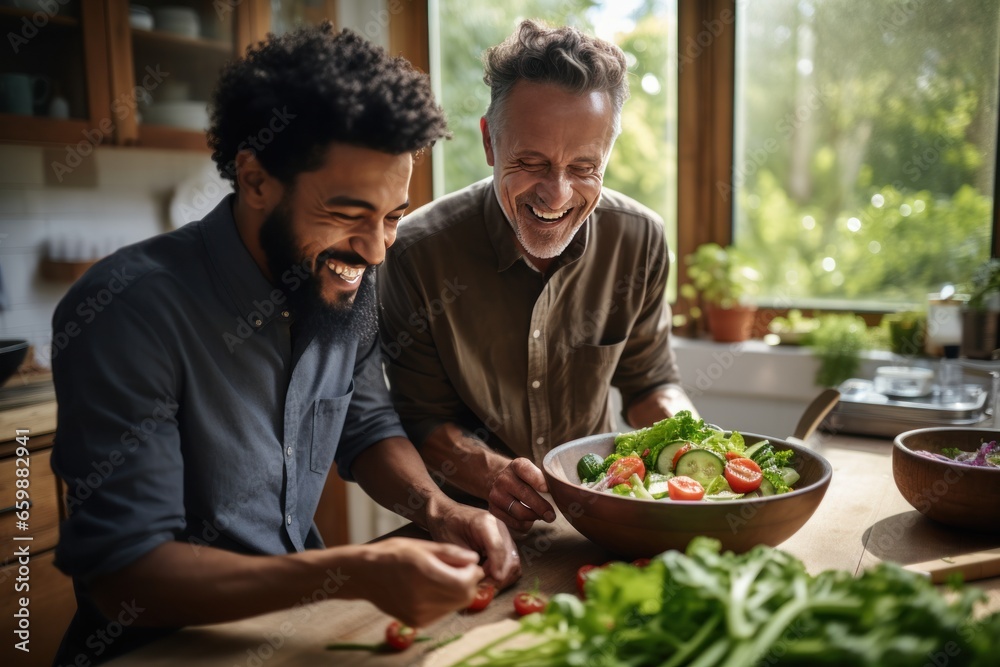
[(347, 320)]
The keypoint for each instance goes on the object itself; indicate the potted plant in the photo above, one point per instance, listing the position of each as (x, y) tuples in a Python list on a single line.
[(727, 285), (838, 342), (981, 314)]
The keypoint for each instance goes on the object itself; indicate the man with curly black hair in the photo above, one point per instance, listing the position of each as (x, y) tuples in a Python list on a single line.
[(574, 275), (201, 408)]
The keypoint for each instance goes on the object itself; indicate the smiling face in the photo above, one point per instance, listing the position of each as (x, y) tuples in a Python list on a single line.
[(548, 160), (337, 222)]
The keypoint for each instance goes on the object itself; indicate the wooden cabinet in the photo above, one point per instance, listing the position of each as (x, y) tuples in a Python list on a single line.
[(123, 79), (54, 61), (33, 578)]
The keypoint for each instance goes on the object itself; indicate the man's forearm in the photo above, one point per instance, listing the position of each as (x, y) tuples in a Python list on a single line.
[(405, 486), (179, 584), (468, 464)]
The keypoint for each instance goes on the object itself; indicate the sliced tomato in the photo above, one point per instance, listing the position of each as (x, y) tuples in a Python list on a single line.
[(484, 595), (641, 562), (400, 637), (528, 603), (679, 453), (581, 576), (684, 488), (743, 475), (733, 455), (623, 468)]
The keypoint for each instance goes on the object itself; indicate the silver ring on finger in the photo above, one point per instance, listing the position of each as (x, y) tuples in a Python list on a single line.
[(511, 505)]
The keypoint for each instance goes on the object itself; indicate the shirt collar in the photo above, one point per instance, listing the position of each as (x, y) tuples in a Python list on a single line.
[(251, 292), (502, 236)]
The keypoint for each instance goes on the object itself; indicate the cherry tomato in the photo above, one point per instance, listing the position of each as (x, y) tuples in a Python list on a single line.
[(679, 453), (528, 603), (640, 562), (684, 488), (625, 467), (484, 595), (581, 576), (733, 455), (743, 475), (400, 637)]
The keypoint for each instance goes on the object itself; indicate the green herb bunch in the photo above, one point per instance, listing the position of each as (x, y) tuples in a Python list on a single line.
[(714, 609)]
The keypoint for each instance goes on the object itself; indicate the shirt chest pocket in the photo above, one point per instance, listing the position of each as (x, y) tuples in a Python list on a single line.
[(329, 415)]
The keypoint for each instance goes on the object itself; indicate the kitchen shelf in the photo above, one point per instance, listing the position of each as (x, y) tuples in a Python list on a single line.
[(53, 19), (166, 40)]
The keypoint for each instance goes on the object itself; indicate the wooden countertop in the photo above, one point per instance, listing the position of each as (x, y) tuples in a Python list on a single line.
[(862, 520)]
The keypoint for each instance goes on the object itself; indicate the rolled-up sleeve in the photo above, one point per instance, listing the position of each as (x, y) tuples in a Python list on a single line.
[(370, 415), (648, 362), (117, 446)]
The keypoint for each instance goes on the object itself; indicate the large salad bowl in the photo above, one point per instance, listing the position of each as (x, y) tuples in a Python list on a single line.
[(633, 527)]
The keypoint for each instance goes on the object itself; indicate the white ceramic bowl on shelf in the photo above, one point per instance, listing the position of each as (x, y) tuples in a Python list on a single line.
[(189, 115), (181, 21)]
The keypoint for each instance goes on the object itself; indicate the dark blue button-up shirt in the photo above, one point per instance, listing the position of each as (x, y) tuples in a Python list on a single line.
[(189, 411)]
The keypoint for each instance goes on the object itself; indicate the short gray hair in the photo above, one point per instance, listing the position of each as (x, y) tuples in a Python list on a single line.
[(563, 56)]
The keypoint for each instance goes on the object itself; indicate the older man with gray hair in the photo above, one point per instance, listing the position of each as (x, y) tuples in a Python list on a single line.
[(512, 306)]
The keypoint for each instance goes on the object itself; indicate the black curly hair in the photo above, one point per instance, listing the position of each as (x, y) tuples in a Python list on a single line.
[(294, 94)]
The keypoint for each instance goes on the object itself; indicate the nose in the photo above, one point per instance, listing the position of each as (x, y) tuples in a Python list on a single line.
[(371, 243), (555, 190)]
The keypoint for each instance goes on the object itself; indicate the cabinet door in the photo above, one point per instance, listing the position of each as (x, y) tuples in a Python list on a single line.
[(53, 73), (164, 64)]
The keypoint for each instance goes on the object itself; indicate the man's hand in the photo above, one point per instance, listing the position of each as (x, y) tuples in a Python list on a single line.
[(663, 403), (481, 532), (515, 498), (417, 581)]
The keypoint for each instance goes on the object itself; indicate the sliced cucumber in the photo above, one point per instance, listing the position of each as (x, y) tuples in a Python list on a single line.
[(659, 489), (766, 488), (665, 459), (638, 489), (700, 465), (622, 490), (789, 475), (754, 448)]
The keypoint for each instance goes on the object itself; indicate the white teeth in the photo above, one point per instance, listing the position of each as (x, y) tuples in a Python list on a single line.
[(548, 216), (346, 273)]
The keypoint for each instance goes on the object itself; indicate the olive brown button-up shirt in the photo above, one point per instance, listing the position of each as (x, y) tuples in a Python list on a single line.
[(473, 334)]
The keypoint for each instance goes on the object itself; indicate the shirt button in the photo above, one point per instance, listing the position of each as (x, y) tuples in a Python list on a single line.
[(540, 441), (288, 519), (285, 314), (289, 451), (257, 323), (536, 333), (536, 384)]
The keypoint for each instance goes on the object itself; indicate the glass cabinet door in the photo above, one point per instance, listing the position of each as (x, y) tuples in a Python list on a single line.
[(168, 55), (53, 82)]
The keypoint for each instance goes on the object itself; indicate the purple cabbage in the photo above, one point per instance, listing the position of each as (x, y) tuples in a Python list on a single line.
[(987, 456)]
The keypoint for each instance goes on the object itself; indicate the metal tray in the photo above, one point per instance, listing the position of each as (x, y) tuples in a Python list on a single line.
[(864, 411)]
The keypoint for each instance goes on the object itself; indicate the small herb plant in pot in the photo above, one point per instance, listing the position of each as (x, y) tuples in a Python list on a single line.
[(727, 285)]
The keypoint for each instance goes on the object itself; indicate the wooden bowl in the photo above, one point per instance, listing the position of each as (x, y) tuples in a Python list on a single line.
[(12, 353), (633, 527), (950, 493)]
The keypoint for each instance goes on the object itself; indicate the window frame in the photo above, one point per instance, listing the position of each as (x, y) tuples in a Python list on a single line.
[(705, 135)]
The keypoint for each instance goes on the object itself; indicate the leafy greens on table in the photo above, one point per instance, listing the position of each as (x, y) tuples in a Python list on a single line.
[(711, 609)]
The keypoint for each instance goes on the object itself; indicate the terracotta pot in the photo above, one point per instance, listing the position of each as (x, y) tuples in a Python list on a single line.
[(730, 325), (980, 333)]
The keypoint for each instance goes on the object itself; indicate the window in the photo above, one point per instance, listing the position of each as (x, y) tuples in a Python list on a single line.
[(643, 163), (864, 161)]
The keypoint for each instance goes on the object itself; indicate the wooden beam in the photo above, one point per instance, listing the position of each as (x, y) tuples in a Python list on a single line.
[(409, 38), (706, 77)]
